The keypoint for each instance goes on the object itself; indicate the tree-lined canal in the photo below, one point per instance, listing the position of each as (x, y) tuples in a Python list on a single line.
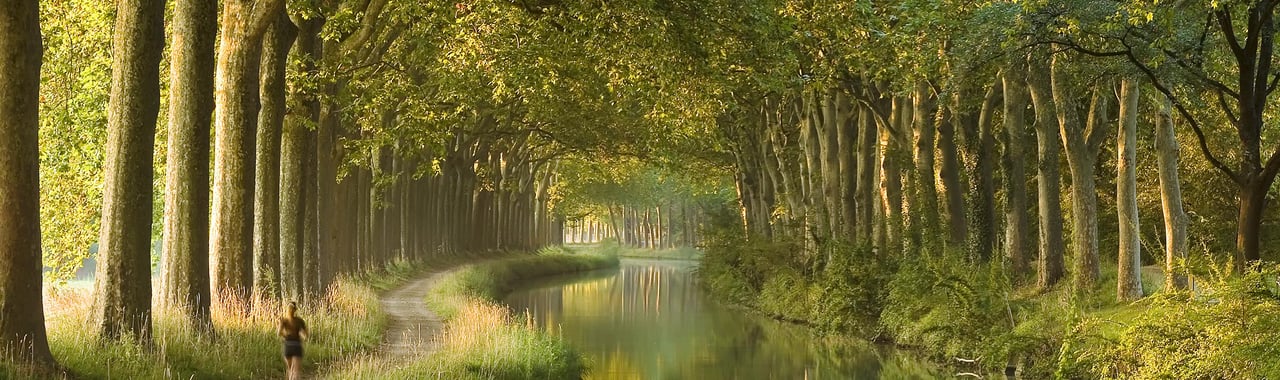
[(649, 320)]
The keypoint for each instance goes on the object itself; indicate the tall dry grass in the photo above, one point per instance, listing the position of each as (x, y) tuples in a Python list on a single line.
[(483, 339)]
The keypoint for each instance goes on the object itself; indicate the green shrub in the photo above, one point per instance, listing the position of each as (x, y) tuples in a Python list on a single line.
[(947, 306), (1230, 330)]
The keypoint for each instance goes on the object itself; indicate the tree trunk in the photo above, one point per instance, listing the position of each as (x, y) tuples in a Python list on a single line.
[(1081, 143), (894, 150), (1052, 264), (243, 24), (266, 217), (185, 270), (926, 225), (122, 305), (866, 191), (848, 139), (953, 190), (1175, 219), (830, 144), (21, 295), (1017, 221), (982, 185), (1129, 275)]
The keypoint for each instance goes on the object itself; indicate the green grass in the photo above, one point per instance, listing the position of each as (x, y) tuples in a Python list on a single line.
[(347, 322), (483, 339)]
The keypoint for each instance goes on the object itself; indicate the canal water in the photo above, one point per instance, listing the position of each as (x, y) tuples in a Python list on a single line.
[(649, 319)]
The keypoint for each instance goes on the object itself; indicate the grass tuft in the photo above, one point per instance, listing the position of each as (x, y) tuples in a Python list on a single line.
[(483, 339)]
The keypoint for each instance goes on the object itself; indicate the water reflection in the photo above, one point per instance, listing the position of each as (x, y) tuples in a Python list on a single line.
[(649, 320)]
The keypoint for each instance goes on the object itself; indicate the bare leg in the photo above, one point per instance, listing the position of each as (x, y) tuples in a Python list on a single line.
[(295, 367)]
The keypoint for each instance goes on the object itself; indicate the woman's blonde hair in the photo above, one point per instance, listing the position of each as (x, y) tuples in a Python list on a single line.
[(292, 310)]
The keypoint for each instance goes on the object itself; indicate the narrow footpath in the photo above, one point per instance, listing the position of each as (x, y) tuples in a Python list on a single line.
[(411, 326)]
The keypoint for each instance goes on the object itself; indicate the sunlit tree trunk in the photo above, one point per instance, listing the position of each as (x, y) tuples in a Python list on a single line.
[(185, 265), (1052, 264), (21, 298), (895, 151), (1129, 274), (926, 225), (1175, 219), (236, 119), (266, 216), (1082, 142), (122, 302)]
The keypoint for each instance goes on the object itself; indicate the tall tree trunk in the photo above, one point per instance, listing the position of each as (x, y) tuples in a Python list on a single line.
[(239, 52), (893, 146), (1175, 219), (21, 294), (122, 304), (983, 184), (299, 183), (848, 139), (810, 136), (1017, 221), (185, 270), (952, 189), (1052, 263), (926, 225), (830, 143), (1129, 274), (266, 216), (866, 191), (1081, 142)]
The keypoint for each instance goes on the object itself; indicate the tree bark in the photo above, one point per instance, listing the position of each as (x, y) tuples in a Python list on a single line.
[(1175, 219), (266, 216), (926, 225), (1081, 142), (983, 185), (952, 189), (236, 118), (866, 191), (1048, 180), (1129, 272), (1017, 220), (21, 295), (185, 270), (830, 144), (122, 305)]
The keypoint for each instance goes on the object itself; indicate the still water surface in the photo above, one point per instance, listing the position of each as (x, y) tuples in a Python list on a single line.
[(649, 320)]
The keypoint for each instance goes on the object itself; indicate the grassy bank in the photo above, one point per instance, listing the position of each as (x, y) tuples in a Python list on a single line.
[(348, 320), (485, 340), (948, 308)]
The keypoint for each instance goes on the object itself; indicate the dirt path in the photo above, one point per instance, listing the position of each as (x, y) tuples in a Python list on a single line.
[(410, 324)]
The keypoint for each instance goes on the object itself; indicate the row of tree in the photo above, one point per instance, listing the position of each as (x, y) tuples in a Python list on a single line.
[(318, 169), (932, 128)]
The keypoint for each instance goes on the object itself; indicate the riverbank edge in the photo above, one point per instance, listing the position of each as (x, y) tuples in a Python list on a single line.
[(483, 339), (345, 323)]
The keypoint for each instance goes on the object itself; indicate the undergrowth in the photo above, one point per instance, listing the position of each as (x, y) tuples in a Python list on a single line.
[(347, 321), (485, 340), (955, 310)]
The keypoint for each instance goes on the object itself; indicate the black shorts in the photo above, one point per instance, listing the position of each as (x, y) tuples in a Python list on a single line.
[(292, 348)]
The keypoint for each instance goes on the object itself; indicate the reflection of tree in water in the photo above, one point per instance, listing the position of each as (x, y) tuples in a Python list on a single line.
[(651, 321)]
